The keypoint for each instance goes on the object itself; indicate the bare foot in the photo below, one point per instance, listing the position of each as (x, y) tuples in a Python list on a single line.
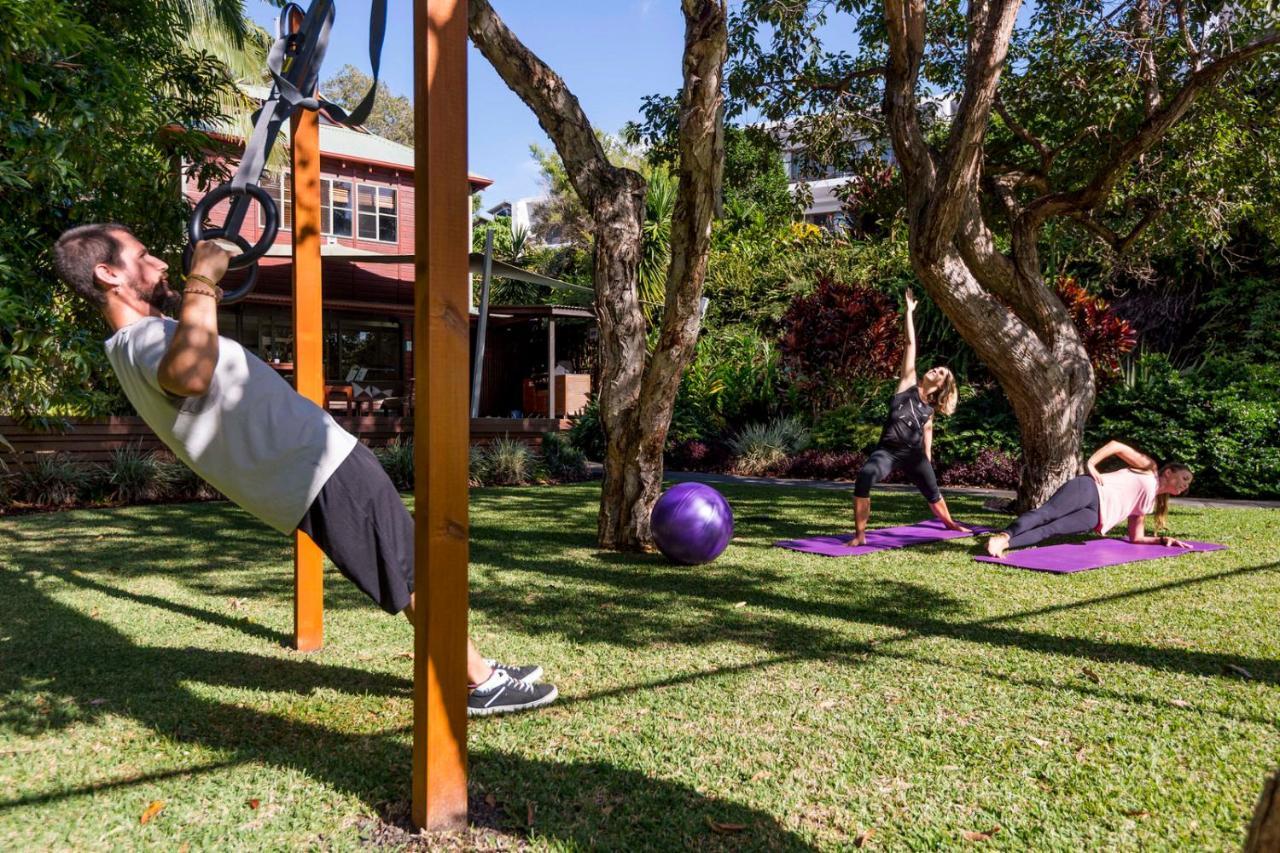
[(859, 540), (997, 544)]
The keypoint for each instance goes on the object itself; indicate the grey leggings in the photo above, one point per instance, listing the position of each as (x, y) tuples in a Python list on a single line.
[(1072, 509)]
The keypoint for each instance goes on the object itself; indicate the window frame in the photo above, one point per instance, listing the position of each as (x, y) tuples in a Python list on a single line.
[(362, 211)]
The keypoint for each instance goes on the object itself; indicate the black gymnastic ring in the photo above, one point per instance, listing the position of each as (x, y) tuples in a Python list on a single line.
[(196, 230), (235, 294)]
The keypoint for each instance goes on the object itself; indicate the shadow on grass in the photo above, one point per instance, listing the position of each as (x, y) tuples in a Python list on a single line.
[(59, 667)]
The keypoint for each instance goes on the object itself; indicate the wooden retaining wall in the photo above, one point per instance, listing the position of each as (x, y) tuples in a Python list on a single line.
[(95, 439)]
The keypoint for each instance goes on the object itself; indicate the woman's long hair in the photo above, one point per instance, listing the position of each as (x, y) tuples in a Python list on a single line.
[(944, 399), (1162, 501)]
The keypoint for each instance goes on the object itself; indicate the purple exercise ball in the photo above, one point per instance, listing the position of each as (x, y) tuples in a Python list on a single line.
[(691, 523)]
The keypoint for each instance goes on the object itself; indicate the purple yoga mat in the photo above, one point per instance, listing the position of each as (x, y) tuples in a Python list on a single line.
[(877, 540), (1093, 554)]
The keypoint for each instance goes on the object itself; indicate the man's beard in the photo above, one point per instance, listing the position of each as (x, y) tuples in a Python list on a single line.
[(168, 301)]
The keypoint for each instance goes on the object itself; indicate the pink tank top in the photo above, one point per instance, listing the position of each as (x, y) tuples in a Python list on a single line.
[(1123, 494)]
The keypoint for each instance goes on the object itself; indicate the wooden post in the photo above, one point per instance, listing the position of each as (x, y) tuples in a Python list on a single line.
[(308, 356), (440, 425)]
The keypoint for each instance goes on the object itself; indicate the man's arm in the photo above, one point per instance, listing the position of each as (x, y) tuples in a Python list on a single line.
[(186, 369)]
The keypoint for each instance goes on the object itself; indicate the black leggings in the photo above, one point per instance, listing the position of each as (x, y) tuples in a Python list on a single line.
[(1072, 509), (911, 461)]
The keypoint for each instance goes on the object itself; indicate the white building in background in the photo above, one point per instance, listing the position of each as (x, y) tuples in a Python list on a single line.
[(523, 213), (825, 209)]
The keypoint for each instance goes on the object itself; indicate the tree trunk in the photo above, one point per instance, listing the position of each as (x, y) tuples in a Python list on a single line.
[(1264, 830), (633, 469), (998, 302), (637, 389)]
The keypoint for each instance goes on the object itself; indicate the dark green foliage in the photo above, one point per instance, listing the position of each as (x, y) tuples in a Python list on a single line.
[(587, 433), (853, 427), (135, 476), (983, 420), (397, 460), (54, 480), (1222, 419), (96, 98), (564, 463)]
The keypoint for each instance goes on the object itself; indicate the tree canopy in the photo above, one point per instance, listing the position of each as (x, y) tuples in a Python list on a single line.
[(392, 115), (100, 101)]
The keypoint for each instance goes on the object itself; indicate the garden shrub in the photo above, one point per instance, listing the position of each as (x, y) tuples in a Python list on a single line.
[(761, 447), (509, 463), (849, 427), (1222, 419), (1105, 334), (696, 455), (734, 377), (817, 464), (477, 467), (133, 475), (991, 468), (838, 334), (564, 462), (586, 432), (983, 420), (397, 460), (55, 480), (184, 483)]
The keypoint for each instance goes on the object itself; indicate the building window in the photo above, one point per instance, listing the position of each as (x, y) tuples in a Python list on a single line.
[(335, 207), (377, 213), (280, 188), (366, 344)]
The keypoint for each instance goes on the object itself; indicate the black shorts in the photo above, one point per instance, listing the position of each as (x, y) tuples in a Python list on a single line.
[(911, 461), (359, 521)]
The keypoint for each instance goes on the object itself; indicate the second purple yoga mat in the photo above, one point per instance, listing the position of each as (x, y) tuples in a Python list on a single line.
[(1093, 554), (881, 539)]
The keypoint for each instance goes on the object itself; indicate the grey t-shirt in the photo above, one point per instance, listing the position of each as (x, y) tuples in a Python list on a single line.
[(251, 436)]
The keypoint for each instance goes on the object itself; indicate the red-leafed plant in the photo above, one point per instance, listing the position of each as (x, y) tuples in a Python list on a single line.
[(1106, 335), (835, 336)]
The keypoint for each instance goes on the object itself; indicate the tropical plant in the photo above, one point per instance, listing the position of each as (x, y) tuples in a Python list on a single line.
[(99, 99), (508, 462), (133, 475), (762, 447), (839, 334), (54, 480), (564, 462), (396, 457)]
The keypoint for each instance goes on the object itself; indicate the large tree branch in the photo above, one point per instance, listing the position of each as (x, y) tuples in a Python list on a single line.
[(904, 20), (701, 169), (1117, 242), (545, 92), (1151, 132), (990, 27)]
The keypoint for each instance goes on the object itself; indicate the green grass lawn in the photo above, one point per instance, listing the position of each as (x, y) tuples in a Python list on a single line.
[(914, 693)]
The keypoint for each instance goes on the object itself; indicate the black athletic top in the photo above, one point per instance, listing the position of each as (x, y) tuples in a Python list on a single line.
[(907, 416)]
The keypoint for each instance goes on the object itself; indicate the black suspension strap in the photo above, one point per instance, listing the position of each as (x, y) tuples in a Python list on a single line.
[(294, 63)]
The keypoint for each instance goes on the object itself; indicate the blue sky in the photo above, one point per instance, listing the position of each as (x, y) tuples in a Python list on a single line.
[(610, 54)]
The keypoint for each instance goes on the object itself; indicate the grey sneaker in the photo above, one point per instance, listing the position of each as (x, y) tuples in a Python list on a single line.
[(506, 695), (527, 674)]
